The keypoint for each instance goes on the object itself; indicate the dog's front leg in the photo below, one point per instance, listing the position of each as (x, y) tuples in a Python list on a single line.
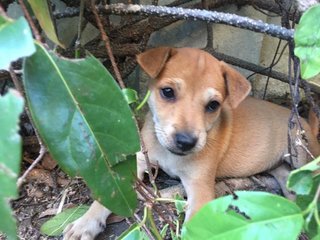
[(89, 225), (199, 192), (93, 221)]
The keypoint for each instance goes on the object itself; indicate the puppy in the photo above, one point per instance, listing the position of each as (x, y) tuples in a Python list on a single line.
[(201, 126)]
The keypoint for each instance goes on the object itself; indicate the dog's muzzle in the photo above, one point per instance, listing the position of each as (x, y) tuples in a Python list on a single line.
[(185, 142)]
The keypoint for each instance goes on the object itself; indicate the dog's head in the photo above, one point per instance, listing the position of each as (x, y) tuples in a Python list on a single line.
[(188, 90)]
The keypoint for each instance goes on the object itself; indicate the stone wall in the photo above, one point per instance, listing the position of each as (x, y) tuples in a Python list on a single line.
[(253, 47)]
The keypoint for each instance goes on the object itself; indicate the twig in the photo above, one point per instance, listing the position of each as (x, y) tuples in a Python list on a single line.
[(272, 65), (204, 15), (153, 226), (106, 40), (205, 6), (307, 90), (77, 43), (63, 198), (254, 67), (43, 149), (31, 23), (150, 197), (143, 225), (270, 69), (42, 152)]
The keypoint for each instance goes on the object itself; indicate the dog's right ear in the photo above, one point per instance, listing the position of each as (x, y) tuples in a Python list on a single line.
[(153, 60), (238, 87)]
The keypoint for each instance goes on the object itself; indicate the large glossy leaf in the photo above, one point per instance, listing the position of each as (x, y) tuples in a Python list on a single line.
[(11, 106), (86, 124), (307, 42), (253, 215), (42, 11), (15, 41)]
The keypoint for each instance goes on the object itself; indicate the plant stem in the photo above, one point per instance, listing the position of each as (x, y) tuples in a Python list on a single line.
[(145, 99), (153, 226), (31, 23)]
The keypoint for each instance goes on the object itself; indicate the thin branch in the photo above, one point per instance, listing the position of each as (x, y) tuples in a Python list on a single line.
[(43, 149), (205, 5), (106, 40), (270, 69), (145, 228), (204, 15), (42, 152), (31, 23), (255, 68)]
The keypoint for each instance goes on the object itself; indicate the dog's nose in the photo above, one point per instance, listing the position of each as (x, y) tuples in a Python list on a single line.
[(185, 141)]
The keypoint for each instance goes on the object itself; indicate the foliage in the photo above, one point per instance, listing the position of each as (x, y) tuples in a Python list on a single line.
[(251, 215), (15, 40), (306, 183), (11, 106), (41, 10), (56, 225), (95, 131), (307, 41)]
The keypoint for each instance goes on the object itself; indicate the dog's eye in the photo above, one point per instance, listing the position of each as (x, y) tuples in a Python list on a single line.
[(212, 106), (167, 93)]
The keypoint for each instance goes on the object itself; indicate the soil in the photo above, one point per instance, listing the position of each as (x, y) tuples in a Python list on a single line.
[(42, 193)]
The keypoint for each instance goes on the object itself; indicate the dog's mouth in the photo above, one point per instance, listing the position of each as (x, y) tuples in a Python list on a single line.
[(178, 153)]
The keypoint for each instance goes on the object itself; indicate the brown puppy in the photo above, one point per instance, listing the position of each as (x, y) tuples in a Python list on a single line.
[(201, 126)]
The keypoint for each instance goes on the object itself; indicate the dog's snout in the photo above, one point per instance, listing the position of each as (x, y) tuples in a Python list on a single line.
[(185, 141)]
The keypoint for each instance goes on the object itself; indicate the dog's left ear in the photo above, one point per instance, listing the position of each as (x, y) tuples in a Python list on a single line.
[(152, 61), (238, 87)]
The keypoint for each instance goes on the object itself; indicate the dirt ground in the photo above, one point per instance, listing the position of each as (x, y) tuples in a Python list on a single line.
[(43, 192)]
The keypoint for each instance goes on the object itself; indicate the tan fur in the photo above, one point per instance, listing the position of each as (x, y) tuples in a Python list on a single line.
[(244, 136)]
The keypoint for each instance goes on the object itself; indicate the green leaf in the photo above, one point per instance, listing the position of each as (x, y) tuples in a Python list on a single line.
[(56, 225), (180, 204), (254, 215), (11, 106), (134, 232), (317, 237), (306, 202), (130, 95), (86, 124), (15, 41), (307, 42), (301, 180), (164, 230), (303, 200), (42, 11)]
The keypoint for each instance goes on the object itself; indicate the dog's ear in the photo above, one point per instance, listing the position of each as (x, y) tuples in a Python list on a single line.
[(153, 60), (238, 87)]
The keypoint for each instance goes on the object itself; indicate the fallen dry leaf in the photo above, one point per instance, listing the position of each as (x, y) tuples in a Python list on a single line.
[(42, 176), (48, 162)]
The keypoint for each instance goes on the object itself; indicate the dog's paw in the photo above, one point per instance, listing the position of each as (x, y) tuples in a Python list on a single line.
[(84, 228), (89, 225)]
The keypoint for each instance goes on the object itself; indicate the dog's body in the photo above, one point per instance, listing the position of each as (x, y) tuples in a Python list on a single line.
[(201, 126)]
